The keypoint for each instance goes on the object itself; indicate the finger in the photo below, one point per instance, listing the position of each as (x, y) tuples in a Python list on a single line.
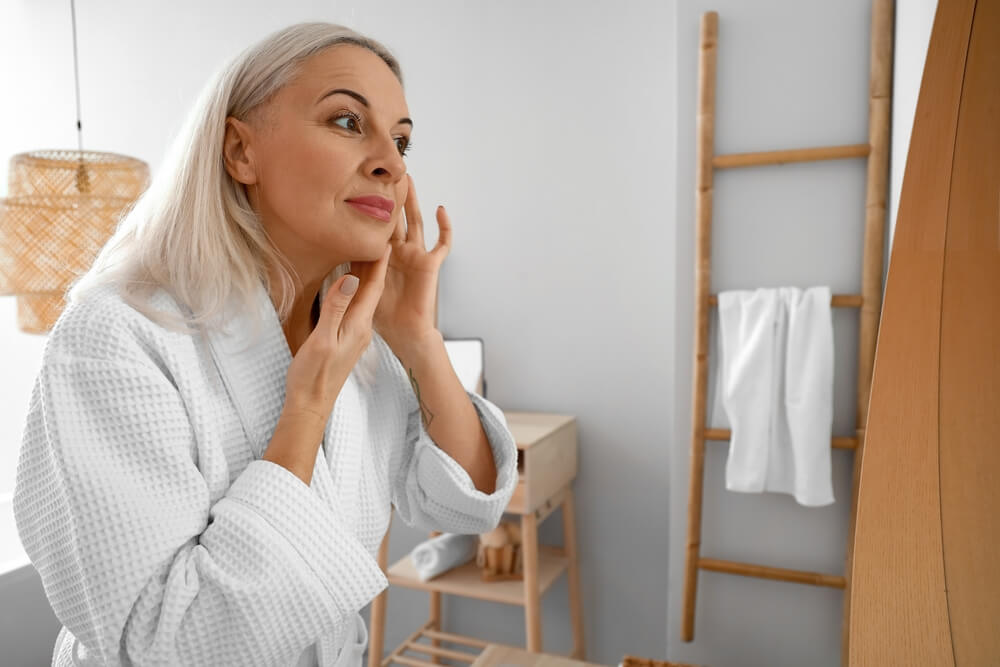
[(443, 246), (372, 284), (336, 301), (414, 222), (399, 231)]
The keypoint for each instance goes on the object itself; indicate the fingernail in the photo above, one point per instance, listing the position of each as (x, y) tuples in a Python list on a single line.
[(350, 285)]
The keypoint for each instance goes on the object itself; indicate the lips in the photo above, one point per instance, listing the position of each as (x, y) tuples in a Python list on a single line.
[(373, 205), (376, 201)]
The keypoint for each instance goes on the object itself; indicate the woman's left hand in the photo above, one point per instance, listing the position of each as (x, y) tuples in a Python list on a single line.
[(405, 313)]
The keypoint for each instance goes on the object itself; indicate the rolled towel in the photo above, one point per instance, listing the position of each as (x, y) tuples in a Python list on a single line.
[(442, 553)]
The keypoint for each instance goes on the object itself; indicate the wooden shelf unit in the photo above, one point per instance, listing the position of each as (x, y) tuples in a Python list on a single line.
[(547, 466)]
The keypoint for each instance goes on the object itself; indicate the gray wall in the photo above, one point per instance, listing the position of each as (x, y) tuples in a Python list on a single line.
[(559, 172), (28, 628), (561, 137)]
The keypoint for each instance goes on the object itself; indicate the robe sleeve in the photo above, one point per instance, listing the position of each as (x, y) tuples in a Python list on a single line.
[(138, 563), (431, 490)]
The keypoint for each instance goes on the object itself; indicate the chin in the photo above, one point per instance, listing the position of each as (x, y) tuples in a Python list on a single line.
[(371, 253)]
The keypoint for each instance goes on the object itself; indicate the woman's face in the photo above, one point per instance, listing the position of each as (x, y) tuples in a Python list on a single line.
[(336, 133)]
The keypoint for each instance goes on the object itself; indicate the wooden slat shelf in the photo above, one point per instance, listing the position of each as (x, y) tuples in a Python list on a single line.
[(463, 656), (412, 643), (466, 581), (456, 638), (410, 662)]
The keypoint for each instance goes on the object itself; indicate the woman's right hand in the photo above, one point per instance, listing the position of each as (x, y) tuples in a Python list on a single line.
[(344, 330)]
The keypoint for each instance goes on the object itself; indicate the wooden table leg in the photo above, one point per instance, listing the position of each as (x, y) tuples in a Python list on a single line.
[(435, 614), (376, 636), (532, 608), (575, 605), (436, 623)]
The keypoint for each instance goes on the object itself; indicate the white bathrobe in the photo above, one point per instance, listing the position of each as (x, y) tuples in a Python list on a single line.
[(163, 538)]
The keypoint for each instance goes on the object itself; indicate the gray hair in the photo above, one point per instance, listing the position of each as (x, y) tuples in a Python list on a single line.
[(193, 233)]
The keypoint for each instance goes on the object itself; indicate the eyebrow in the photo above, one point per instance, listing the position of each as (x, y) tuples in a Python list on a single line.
[(360, 98)]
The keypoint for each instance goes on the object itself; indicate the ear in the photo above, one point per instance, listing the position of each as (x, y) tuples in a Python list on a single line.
[(236, 152)]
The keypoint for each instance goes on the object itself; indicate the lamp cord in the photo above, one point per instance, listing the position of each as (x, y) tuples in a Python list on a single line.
[(76, 76)]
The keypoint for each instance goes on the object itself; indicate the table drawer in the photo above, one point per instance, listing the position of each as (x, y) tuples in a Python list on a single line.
[(546, 457)]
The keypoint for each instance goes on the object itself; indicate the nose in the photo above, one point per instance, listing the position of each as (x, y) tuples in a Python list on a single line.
[(385, 162)]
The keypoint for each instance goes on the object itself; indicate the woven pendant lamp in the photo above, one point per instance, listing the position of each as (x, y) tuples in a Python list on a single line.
[(62, 207)]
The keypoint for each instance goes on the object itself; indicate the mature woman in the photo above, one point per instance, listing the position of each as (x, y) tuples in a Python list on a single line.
[(224, 415)]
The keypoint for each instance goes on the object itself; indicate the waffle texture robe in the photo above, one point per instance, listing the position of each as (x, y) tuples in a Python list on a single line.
[(163, 538)]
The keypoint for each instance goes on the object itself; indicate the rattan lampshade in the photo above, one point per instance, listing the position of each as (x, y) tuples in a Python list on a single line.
[(62, 207)]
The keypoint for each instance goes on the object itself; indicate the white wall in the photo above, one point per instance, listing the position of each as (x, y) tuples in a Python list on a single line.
[(914, 20)]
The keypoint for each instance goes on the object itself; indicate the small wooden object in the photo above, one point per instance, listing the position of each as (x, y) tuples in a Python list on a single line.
[(499, 554)]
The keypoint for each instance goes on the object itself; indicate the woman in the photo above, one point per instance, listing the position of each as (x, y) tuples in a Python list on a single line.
[(224, 416)]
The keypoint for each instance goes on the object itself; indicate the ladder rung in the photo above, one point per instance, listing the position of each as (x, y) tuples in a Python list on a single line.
[(727, 434), (837, 300), (795, 155), (764, 572)]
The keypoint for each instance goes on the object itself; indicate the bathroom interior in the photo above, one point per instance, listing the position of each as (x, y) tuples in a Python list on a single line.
[(648, 262)]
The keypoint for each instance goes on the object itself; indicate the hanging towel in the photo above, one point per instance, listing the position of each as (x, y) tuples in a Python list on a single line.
[(776, 388), (442, 553)]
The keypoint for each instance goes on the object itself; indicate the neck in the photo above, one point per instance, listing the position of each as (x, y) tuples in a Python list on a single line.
[(304, 314)]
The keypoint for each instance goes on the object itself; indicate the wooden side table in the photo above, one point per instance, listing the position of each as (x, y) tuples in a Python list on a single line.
[(547, 466)]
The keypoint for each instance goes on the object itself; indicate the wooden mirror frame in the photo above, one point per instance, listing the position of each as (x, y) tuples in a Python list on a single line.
[(925, 585)]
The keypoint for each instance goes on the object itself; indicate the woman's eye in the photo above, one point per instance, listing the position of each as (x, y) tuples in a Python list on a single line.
[(350, 118), (352, 122)]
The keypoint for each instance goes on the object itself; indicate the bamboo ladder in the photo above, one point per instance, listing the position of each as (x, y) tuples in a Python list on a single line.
[(869, 301)]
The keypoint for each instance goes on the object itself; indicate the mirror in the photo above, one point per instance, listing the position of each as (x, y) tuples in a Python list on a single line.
[(468, 359)]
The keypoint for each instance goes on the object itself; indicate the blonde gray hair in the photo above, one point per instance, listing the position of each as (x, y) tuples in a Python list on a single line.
[(193, 233)]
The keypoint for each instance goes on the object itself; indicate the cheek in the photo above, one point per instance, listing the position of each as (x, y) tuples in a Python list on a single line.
[(306, 175)]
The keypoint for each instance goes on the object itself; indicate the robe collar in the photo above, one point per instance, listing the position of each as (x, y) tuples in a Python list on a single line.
[(254, 369), (252, 356)]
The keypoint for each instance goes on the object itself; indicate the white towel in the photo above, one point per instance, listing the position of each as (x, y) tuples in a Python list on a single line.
[(776, 387), (442, 553)]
